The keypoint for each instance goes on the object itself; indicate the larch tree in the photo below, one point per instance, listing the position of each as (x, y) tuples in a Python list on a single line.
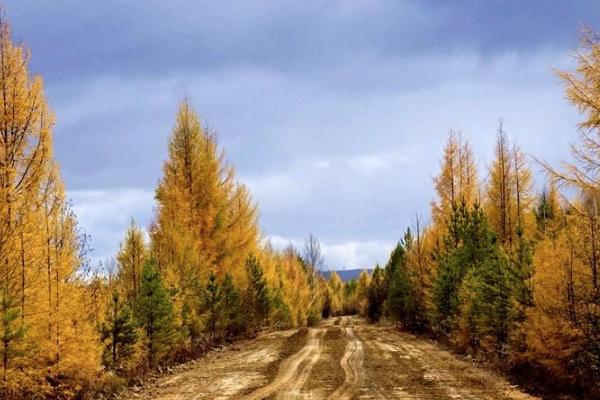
[(457, 180), (501, 202), (25, 151), (314, 262), (131, 257), (582, 289), (508, 197), (205, 220), (335, 287)]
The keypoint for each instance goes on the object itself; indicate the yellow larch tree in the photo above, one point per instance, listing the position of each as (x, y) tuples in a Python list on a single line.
[(205, 220), (567, 292), (25, 149), (44, 324), (457, 181), (335, 286), (131, 257), (508, 197)]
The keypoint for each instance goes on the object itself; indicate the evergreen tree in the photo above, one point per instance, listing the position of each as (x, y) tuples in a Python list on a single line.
[(282, 316), (452, 267), (118, 333), (233, 318), (404, 303), (154, 313), (258, 302), (474, 291), (488, 298), (12, 331), (212, 307), (350, 303), (376, 295), (398, 285)]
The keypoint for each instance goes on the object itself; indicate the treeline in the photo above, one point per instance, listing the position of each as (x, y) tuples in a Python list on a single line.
[(204, 277), (503, 273)]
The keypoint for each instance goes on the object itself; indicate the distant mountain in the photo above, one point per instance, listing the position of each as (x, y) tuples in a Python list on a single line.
[(346, 274)]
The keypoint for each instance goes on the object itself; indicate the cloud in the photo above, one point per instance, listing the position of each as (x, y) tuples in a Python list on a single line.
[(153, 38), (343, 255), (373, 163), (357, 254), (333, 113), (106, 214)]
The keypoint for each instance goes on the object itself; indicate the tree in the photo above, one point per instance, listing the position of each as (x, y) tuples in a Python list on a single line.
[(404, 299), (474, 290), (205, 220), (362, 292), (212, 307), (547, 211), (314, 262), (25, 144), (398, 285), (581, 291), (11, 332), (457, 181), (233, 318), (508, 194), (335, 287), (502, 207), (258, 302), (131, 257), (376, 295), (154, 313), (118, 333)]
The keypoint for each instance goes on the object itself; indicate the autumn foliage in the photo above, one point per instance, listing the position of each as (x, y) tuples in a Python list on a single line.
[(504, 274)]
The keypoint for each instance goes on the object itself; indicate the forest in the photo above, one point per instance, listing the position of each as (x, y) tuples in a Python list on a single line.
[(503, 272)]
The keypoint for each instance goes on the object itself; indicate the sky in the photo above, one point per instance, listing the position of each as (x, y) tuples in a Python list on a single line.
[(333, 113)]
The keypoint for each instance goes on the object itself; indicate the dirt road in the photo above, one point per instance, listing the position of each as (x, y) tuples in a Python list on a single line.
[(343, 358)]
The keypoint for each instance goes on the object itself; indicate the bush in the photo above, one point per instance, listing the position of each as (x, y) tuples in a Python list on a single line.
[(313, 319)]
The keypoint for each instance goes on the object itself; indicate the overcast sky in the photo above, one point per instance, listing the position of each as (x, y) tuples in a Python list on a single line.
[(334, 113)]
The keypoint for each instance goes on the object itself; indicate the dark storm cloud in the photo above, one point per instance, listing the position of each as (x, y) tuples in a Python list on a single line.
[(75, 40), (333, 112)]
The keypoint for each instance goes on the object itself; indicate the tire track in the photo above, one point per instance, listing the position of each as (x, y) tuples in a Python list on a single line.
[(352, 364), (294, 371)]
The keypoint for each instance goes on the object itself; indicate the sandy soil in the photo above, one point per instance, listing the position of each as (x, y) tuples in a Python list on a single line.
[(343, 359)]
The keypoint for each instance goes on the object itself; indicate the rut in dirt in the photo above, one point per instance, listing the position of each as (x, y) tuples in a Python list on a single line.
[(294, 371)]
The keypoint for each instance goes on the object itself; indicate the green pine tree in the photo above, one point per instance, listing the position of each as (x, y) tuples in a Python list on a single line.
[(402, 303), (453, 265), (398, 286), (12, 331), (490, 310), (212, 307), (233, 318), (154, 313), (282, 317), (376, 295), (258, 301), (475, 284), (118, 333)]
